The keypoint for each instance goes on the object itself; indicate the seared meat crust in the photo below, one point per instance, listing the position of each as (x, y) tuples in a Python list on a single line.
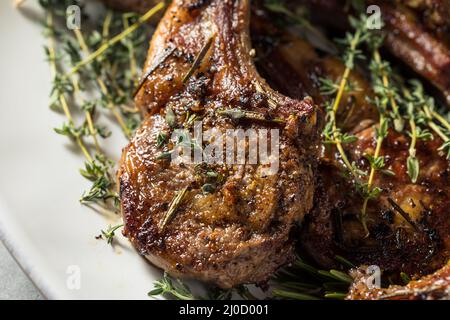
[(412, 43), (241, 231)]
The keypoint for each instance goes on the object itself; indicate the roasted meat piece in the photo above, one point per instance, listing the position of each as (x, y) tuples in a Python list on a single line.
[(420, 49), (410, 35), (435, 13), (409, 223), (433, 287), (230, 223)]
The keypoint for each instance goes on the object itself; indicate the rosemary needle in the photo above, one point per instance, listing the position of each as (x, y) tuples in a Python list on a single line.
[(238, 114), (199, 59), (166, 54), (404, 214), (173, 207)]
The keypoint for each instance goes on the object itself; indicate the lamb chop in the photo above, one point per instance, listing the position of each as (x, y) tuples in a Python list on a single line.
[(418, 37), (226, 224), (409, 223)]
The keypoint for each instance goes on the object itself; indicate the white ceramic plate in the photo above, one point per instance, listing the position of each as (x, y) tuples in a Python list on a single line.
[(41, 222)]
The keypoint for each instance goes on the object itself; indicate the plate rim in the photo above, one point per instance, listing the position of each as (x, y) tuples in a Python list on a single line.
[(11, 240)]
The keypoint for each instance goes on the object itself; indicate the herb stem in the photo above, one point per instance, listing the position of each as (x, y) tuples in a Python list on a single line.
[(385, 80), (412, 147), (199, 59), (117, 38), (379, 142), (438, 131), (132, 58), (62, 99), (106, 25), (293, 295), (441, 119), (88, 116), (342, 85), (435, 127), (103, 87)]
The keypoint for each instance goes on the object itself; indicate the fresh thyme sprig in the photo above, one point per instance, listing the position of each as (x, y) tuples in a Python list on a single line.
[(424, 108), (61, 88), (332, 134), (100, 172), (108, 44), (107, 70), (384, 98), (104, 90)]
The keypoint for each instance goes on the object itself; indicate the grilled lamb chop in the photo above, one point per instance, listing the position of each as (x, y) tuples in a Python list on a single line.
[(333, 227), (238, 230), (409, 223)]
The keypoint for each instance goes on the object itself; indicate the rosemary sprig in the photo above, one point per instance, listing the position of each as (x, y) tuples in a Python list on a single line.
[(109, 233), (165, 286), (164, 56), (303, 281), (177, 289), (293, 295)]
